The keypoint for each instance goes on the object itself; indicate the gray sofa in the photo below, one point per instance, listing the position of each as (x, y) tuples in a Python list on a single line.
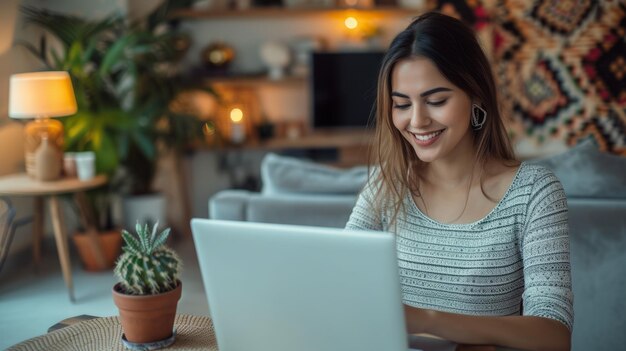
[(299, 192), (294, 192)]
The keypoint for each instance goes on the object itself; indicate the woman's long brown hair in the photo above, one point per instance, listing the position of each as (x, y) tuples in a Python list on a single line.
[(454, 49)]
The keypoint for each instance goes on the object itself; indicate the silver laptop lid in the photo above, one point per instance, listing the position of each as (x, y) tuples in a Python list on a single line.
[(274, 287)]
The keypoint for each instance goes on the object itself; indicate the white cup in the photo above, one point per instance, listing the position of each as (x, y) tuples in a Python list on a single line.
[(85, 164)]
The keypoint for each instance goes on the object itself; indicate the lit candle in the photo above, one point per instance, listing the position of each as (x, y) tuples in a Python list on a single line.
[(237, 131)]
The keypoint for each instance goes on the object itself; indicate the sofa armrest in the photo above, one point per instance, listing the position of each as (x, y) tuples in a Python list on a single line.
[(229, 205)]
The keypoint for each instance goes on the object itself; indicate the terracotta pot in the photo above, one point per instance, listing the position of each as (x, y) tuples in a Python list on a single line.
[(111, 244), (147, 318)]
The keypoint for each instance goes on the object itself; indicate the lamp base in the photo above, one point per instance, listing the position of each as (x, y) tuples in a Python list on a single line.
[(35, 132)]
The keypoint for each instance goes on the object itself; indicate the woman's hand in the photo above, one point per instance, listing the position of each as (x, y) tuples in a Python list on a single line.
[(478, 333), (417, 322)]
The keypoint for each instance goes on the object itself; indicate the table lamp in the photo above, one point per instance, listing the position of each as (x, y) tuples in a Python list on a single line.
[(41, 95)]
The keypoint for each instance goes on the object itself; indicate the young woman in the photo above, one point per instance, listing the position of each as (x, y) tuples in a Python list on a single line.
[(482, 240)]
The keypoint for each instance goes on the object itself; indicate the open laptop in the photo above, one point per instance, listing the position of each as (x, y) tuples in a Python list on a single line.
[(276, 287)]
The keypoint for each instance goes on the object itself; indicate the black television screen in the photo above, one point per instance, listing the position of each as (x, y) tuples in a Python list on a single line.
[(343, 88)]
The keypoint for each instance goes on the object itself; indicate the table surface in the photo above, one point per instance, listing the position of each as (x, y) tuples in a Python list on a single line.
[(192, 333), (22, 184)]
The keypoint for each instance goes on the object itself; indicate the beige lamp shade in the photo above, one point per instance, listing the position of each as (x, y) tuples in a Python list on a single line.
[(41, 94)]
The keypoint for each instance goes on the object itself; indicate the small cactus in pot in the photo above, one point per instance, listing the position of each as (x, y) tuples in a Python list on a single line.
[(149, 286), (147, 266)]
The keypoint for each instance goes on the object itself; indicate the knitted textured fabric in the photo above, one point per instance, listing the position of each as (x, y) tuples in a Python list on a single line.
[(193, 333), (519, 250)]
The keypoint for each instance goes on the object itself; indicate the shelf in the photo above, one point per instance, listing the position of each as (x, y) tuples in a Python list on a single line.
[(351, 145), (334, 139), (272, 12), (255, 80), (348, 138)]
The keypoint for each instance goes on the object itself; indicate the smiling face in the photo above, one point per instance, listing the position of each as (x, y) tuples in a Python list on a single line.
[(431, 113)]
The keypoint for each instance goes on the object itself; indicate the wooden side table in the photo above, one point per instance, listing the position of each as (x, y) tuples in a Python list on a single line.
[(22, 185)]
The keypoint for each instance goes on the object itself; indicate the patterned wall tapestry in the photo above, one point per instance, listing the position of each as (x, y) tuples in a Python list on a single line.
[(560, 65)]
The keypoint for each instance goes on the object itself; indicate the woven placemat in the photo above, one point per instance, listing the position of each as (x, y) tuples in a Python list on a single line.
[(105, 334)]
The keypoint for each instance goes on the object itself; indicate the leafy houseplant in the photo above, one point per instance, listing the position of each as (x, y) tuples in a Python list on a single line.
[(149, 286), (125, 77), (99, 125)]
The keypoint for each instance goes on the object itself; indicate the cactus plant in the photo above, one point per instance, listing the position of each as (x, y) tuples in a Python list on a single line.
[(147, 266)]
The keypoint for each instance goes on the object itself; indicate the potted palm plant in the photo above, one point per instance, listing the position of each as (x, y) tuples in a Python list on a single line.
[(149, 287), (125, 81), (100, 125), (153, 46)]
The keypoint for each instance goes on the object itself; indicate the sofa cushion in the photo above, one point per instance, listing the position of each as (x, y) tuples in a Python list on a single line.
[(289, 175), (598, 261), (587, 172)]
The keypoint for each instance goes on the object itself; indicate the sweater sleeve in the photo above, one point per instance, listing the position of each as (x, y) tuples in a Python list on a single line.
[(545, 252), (364, 215)]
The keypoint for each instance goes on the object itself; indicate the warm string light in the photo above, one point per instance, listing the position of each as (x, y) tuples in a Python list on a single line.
[(351, 23)]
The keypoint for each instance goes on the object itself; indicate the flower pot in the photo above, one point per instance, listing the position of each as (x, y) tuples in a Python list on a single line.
[(110, 242), (147, 318)]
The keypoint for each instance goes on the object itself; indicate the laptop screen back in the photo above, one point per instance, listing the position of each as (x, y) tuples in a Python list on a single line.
[(277, 287)]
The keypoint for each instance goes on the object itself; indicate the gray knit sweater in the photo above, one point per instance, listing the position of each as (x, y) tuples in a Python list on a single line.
[(518, 252)]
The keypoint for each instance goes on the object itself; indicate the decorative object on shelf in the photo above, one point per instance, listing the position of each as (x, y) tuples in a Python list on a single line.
[(238, 114), (265, 130), (180, 42), (210, 132), (237, 126), (302, 48), (217, 57), (243, 4), (309, 4), (277, 57), (412, 4), (267, 3), (355, 3), (202, 4), (386, 3), (293, 129), (206, 107), (149, 286), (42, 95)]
